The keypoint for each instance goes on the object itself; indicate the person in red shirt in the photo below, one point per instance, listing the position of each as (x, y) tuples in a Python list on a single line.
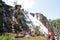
[(49, 35)]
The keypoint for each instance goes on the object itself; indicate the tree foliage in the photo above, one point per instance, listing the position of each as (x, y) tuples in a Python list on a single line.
[(1, 5), (56, 23), (36, 28)]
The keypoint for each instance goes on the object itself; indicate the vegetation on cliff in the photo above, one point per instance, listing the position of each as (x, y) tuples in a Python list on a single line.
[(56, 23)]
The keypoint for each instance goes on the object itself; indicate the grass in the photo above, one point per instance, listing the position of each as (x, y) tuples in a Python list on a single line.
[(10, 37), (6, 37)]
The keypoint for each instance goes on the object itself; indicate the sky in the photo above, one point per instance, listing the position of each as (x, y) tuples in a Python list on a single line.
[(49, 8)]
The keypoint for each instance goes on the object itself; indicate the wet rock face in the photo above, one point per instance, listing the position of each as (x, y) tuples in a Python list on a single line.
[(44, 20), (7, 18), (17, 23)]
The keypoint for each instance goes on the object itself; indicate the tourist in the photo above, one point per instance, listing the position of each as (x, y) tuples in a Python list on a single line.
[(50, 35)]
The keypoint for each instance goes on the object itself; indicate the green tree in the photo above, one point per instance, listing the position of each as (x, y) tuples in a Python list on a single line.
[(36, 28), (1, 4), (56, 23)]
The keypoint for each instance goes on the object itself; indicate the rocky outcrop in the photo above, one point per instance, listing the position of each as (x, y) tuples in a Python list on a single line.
[(15, 19), (45, 21)]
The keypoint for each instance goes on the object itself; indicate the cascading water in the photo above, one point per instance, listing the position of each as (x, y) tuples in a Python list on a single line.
[(28, 21), (4, 20), (35, 22)]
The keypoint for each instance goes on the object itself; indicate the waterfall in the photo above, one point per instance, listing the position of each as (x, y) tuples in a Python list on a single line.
[(13, 20), (4, 29), (4, 20), (28, 21), (35, 22)]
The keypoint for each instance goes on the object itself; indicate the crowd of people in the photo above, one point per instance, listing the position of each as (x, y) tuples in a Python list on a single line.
[(49, 36)]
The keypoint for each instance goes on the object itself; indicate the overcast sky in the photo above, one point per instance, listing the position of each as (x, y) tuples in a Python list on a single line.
[(49, 8)]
